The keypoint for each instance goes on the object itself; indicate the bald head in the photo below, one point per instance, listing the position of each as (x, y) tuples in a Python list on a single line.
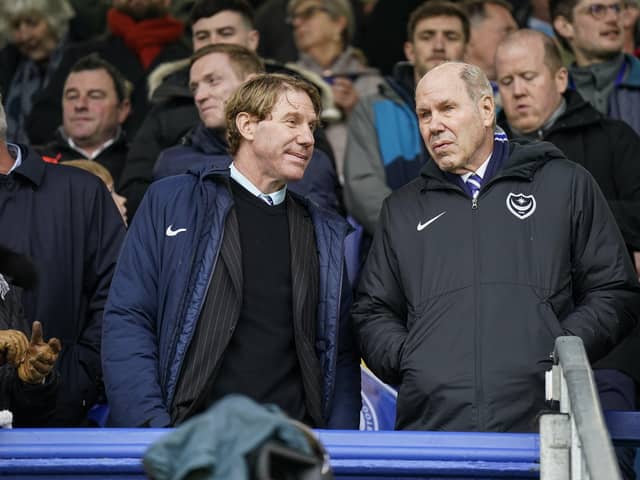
[(537, 40), (531, 79)]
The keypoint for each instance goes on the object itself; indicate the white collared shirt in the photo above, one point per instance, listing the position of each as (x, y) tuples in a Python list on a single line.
[(95, 153), (276, 198), (480, 172), (15, 152)]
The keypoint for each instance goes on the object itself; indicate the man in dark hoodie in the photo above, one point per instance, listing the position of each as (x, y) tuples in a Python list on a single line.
[(537, 104), (478, 265), (384, 148)]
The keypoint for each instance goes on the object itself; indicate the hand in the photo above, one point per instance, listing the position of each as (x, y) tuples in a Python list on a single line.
[(345, 95), (636, 261), (13, 346), (40, 357)]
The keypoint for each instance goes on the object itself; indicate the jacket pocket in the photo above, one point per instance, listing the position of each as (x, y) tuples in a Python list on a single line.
[(550, 320)]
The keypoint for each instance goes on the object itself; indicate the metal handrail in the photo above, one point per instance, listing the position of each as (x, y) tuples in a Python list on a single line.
[(573, 385)]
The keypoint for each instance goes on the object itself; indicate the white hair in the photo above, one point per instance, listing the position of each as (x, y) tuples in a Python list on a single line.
[(57, 13)]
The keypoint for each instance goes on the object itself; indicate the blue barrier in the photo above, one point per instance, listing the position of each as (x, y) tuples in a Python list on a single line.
[(116, 453), (355, 455), (108, 453)]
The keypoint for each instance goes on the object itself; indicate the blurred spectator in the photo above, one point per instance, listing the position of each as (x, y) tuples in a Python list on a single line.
[(174, 113), (95, 104), (38, 31), (602, 73), (539, 18), (384, 147), (216, 72), (491, 21), (141, 36), (323, 30), (104, 175), (90, 19), (537, 104), (276, 35), (64, 219), (28, 380)]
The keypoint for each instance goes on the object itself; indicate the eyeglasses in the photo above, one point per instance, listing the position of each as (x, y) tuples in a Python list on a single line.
[(305, 14), (599, 10)]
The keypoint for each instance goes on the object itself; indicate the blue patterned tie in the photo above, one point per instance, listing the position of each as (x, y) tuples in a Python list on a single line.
[(474, 182), (267, 198)]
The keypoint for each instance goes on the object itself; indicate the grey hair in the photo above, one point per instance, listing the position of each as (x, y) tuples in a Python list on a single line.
[(3, 123), (57, 13), (335, 9), (476, 81)]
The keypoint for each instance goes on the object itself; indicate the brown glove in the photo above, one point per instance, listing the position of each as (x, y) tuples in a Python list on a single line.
[(40, 357), (13, 346)]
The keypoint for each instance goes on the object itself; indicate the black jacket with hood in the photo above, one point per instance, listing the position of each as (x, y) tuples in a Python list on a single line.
[(609, 150), (460, 301)]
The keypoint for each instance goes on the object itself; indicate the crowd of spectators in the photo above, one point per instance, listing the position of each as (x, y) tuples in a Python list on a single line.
[(135, 92)]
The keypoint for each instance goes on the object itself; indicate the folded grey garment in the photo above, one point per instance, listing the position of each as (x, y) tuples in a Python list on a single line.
[(240, 439)]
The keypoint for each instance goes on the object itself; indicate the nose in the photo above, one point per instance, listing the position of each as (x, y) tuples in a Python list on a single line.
[(435, 125), (198, 94), (519, 87), (305, 136), (80, 103), (438, 42)]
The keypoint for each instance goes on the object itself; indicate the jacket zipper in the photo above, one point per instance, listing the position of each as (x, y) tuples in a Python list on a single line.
[(480, 421)]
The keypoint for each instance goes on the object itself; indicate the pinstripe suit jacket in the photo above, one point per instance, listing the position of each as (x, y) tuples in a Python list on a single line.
[(214, 332)]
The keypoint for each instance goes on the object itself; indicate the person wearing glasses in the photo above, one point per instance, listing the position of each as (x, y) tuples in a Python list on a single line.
[(603, 74), (323, 31)]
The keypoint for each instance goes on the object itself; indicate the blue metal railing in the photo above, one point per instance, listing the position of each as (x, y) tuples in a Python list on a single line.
[(117, 453)]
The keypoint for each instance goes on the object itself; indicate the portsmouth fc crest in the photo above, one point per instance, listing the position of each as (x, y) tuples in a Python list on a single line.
[(522, 206)]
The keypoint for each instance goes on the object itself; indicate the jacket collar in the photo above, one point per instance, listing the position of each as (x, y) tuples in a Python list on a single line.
[(524, 159), (579, 113), (209, 142), (32, 167)]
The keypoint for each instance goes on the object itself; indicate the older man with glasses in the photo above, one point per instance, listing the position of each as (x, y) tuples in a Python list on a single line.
[(603, 74)]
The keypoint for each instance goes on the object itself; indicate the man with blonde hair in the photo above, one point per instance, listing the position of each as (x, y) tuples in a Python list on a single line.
[(264, 303), (507, 260)]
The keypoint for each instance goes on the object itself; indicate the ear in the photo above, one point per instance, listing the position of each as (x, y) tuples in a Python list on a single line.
[(409, 52), (254, 40), (561, 79), (124, 109), (341, 22), (246, 125), (487, 108), (249, 77), (563, 27)]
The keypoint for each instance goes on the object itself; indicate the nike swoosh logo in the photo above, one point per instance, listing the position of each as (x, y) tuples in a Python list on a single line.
[(172, 233), (422, 226)]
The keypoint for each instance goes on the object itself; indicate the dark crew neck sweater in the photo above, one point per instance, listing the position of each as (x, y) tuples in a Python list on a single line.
[(261, 359)]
